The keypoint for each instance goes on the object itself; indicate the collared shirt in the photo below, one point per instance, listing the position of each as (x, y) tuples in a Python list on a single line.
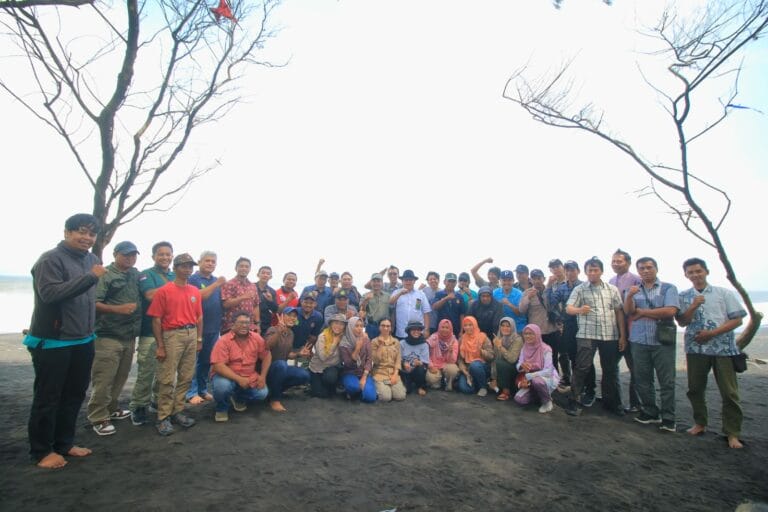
[(390, 288), (267, 306), (118, 287), (452, 310), (603, 300), (150, 279), (643, 330), (306, 327), (720, 305), (233, 288), (334, 310), (377, 307), (386, 358), (324, 297), (240, 356), (559, 298), (624, 282), (514, 296), (212, 308), (467, 294), (411, 307), (537, 310)]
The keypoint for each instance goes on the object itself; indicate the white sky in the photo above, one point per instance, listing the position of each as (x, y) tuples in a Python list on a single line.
[(386, 140)]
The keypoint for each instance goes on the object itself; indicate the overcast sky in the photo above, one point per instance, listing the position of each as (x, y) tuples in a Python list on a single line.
[(386, 140)]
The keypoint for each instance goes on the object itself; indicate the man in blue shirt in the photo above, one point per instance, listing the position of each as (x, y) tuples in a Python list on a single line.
[(323, 294), (509, 297)]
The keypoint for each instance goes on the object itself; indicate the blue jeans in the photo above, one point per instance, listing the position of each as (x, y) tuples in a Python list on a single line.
[(223, 388), (479, 372), (199, 384), (281, 377), (372, 330), (351, 384)]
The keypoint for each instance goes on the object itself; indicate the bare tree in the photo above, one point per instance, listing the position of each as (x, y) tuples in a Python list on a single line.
[(698, 51), (126, 96), (19, 4)]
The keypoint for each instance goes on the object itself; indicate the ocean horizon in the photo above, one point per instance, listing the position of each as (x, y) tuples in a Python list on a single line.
[(17, 301)]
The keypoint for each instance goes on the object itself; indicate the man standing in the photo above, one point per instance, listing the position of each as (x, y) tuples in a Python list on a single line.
[(710, 314), (323, 294), (467, 294), (150, 280), (60, 340), (234, 359), (268, 306), (341, 306), (448, 305), (645, 305), (509, 297), (493, 275), (375, 306), (601, 328), (118, 322), (521, 274), (411, 305), (240, 294), (177, 321), (535, 305), (623, 280), (210, 291), (287, 296)]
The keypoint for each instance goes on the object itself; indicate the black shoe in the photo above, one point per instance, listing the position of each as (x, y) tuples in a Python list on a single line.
[(588, 399), (631, 409), (619, 411), (668, 425), (572, 409), (647, 419)]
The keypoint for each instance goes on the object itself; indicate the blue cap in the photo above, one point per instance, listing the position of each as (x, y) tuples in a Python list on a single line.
[(126, 248), (506, 274), (290, 309)]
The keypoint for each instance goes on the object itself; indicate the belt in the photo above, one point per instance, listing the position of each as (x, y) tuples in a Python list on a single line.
[(181, 327)]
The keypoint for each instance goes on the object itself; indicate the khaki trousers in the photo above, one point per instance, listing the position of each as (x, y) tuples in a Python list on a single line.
[(111, 366), (174, 374)]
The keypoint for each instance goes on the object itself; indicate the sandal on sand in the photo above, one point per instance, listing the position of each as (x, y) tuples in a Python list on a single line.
[(196, 400), (503, 396)]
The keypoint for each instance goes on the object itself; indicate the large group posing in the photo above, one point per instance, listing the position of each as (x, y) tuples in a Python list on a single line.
[(522, 336)]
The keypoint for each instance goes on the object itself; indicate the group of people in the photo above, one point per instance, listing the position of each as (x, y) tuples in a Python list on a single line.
[(522, 335)]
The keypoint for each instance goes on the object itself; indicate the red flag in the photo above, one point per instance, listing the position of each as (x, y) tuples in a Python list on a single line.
[(223, 10)]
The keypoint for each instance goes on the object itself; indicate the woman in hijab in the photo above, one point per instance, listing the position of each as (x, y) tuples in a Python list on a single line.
[(357, 362), (539, 376), (506, 346), (325, 360), (415, 356), (475, 354), (443, 355), (386, 364), (487, 311)]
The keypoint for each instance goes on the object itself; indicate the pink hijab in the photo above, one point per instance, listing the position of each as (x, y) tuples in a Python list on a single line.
[(534, 352)]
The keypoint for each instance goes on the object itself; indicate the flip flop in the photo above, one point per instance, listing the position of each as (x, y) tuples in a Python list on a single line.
[(502, 397)]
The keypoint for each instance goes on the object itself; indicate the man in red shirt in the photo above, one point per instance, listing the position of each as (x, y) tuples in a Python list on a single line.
[(234, 359), (177, 323)]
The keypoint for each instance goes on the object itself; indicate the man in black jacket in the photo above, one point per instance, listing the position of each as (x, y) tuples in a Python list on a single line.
[(60, 340)]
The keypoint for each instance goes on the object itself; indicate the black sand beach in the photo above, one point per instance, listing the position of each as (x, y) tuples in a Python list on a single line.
[(443, 451)]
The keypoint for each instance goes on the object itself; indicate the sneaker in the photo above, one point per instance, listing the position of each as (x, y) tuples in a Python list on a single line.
[(105, 428), (563, 388), (152, 407), (668, 425), (482, 392), (238, 405), (631, 409), (182, 419), (572, 408), (647, 419), (221, 416), (546, 407), (164, 427), (139, 416), (120, 414), (588, 399)]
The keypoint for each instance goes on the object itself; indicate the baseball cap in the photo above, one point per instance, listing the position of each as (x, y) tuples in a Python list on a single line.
[(309, 295), (341, 294), (126, 248), (184, 259), (450, 276), (556, 262), (321, 273), (571, 265), (537, 273), (464, 277), (506, 274), (375, 277), (333, 275), (522, 269)]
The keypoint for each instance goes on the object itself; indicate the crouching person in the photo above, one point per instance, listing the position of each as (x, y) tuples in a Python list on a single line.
[(234, 359)]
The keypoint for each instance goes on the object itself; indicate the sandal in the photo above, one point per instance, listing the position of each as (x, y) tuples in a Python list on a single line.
[(503, 396)]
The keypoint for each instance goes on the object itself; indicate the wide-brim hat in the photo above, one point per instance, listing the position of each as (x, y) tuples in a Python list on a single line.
[(338, 317), (408, 274)]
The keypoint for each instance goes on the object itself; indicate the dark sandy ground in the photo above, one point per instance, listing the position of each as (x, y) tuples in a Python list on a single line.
[(440, 452)]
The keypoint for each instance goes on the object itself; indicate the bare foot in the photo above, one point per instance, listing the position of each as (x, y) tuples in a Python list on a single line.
[(52, 461), (196, 400), (697, 430), (208, 397), (733, 442), (79, 451), (422, 391), (276, 406)]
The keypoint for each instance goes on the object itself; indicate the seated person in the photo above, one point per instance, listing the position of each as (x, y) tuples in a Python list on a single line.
[(506, 345), (443, 355), (475, 355), (540, 376), (386, 364), (357, 362), (234, 359), (325, 361), (414, 353), (281, 375)]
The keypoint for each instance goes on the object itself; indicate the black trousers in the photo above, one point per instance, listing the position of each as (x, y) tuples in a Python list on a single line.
[(323, 385), (62, 376), (416, 378)]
